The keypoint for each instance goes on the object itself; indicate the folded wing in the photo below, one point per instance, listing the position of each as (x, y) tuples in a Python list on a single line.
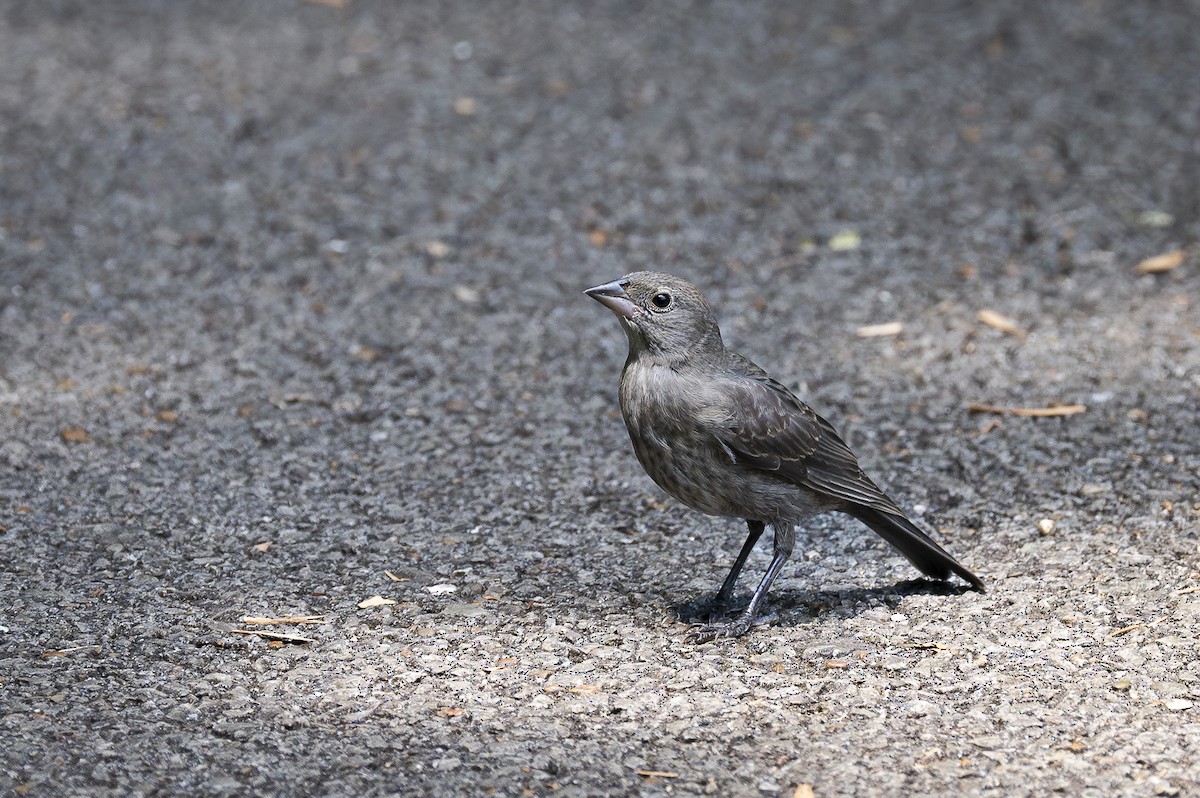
[(776, 432)]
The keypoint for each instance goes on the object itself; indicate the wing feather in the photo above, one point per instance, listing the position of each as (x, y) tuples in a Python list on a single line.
[(773, 431)]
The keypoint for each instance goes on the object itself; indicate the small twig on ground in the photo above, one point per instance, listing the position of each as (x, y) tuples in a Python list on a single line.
[(880, 330), (1126, 630), (254, 620), (1162, 263), (1039, 412), (282, 637), (1001, 322), (62, 652)]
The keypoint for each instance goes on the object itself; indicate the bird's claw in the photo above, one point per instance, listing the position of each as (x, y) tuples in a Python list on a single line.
[(707, 632)]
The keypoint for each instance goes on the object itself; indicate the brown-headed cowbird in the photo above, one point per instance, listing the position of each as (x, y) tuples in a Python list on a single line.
[(717, 433)]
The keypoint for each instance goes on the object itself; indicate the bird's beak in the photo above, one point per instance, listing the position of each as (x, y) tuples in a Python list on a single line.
[(612, 296)]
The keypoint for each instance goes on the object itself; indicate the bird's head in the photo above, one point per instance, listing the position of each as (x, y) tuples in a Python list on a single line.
[(665, 317)]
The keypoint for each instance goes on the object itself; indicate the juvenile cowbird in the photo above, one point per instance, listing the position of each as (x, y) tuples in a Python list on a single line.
[(717, 433)]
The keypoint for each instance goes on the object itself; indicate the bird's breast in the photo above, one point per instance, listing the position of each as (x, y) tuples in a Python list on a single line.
[(670, 419)]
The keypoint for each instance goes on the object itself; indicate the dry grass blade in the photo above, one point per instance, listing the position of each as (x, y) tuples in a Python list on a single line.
[(1126, 630), (1037, 412), (255, 620), (1000, 322), (988, 427), (282, 637), (1162, 263), (62, 652), (657, 774), (880, 330)]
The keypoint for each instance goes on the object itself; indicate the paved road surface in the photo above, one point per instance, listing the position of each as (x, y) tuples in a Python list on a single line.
[(290, 317)]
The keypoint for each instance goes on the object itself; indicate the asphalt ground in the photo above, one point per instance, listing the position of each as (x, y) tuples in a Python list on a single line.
[(290, 318)]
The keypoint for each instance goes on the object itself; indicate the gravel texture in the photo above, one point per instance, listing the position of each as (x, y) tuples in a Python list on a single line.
[(290, 301)]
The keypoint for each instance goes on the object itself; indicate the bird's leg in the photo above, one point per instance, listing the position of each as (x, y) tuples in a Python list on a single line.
[(719, 606), (785, 539)]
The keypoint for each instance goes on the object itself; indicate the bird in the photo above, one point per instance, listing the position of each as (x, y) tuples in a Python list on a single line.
[(720, 435)]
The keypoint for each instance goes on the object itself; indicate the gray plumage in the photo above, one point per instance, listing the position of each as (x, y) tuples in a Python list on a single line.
[(718, 434)]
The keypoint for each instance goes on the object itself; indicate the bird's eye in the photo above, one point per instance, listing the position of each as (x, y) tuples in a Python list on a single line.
[(661, 300)]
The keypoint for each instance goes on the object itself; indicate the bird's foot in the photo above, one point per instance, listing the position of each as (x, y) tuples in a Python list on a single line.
[(707, 632)]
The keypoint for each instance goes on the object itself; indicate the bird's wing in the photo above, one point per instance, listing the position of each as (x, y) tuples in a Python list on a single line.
[(771, 430)]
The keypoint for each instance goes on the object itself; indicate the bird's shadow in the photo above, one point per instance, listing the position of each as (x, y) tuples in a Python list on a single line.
[(793, 607)]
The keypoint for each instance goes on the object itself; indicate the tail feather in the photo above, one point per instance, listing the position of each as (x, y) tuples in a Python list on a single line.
[(921, 550)]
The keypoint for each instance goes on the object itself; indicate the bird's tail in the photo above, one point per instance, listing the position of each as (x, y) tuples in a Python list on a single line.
[(930, 558)]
